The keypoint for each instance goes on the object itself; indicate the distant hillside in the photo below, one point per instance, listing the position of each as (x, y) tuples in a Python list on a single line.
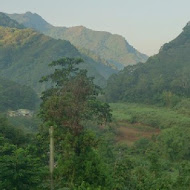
[(164, 77), (14, 96), (111, 47), (7, 22), (25, 55)]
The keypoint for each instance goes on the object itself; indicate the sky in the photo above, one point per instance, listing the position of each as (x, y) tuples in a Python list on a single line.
[(146, 24)]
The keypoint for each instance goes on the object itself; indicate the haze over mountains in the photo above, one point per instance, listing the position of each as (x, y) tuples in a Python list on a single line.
[(25, 55), (110, 47)]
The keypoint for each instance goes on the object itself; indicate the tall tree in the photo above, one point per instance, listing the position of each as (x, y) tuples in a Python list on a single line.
[(68, 105)]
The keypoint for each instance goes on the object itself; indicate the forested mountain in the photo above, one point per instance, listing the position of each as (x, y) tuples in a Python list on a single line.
[(111, 47), (14, 96), (146, 147), (25, 55), (7, 22), (164, 77)]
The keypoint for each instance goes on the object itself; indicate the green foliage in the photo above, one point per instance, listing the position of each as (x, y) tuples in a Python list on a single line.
[(13, 135), (73, 96), (67, 106), (148, 167), (19, 169), (25, 54), (79, 162), (183, 106), (183, 180), (163, 79), (175, 143), (158, 163), (14, 96), (156, 117), (87, 154), (27, 124)]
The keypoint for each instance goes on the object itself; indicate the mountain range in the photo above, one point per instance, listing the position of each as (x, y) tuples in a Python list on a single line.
[(26, 53), (110, 47)]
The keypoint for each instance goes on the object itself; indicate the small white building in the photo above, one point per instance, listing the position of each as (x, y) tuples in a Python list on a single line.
[(20, 112)]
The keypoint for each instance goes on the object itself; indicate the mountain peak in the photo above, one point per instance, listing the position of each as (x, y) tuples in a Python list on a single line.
[(34, 16), (111, 47), (31, 20), (28, 13), (5, 21)]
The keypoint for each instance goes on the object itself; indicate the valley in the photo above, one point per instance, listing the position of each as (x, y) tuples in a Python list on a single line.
[(84, 110)]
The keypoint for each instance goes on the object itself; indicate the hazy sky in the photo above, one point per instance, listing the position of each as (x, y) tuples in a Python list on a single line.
[(146, 24)]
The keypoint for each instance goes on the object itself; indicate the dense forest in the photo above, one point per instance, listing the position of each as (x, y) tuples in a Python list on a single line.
[(92, 127), (86, 155), (163, 79), (14, 96)]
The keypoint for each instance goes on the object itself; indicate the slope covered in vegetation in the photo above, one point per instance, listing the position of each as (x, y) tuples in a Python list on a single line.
[(162, 79), (146, 147), (7, 22), (89, 151), (113, 48), (14, 96), (25, 55)]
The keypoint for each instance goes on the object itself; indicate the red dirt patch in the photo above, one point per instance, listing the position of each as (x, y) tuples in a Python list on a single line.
[(129, 133)]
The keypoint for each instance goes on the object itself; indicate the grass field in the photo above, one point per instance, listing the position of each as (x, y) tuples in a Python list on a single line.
[(135, 121)]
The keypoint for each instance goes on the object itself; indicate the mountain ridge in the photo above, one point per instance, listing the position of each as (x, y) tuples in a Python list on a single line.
[(7, 22), (26, 53), (112, 47), (164, 78)]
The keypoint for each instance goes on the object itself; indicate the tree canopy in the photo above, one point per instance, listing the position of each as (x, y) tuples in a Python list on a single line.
[(68, 105)]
